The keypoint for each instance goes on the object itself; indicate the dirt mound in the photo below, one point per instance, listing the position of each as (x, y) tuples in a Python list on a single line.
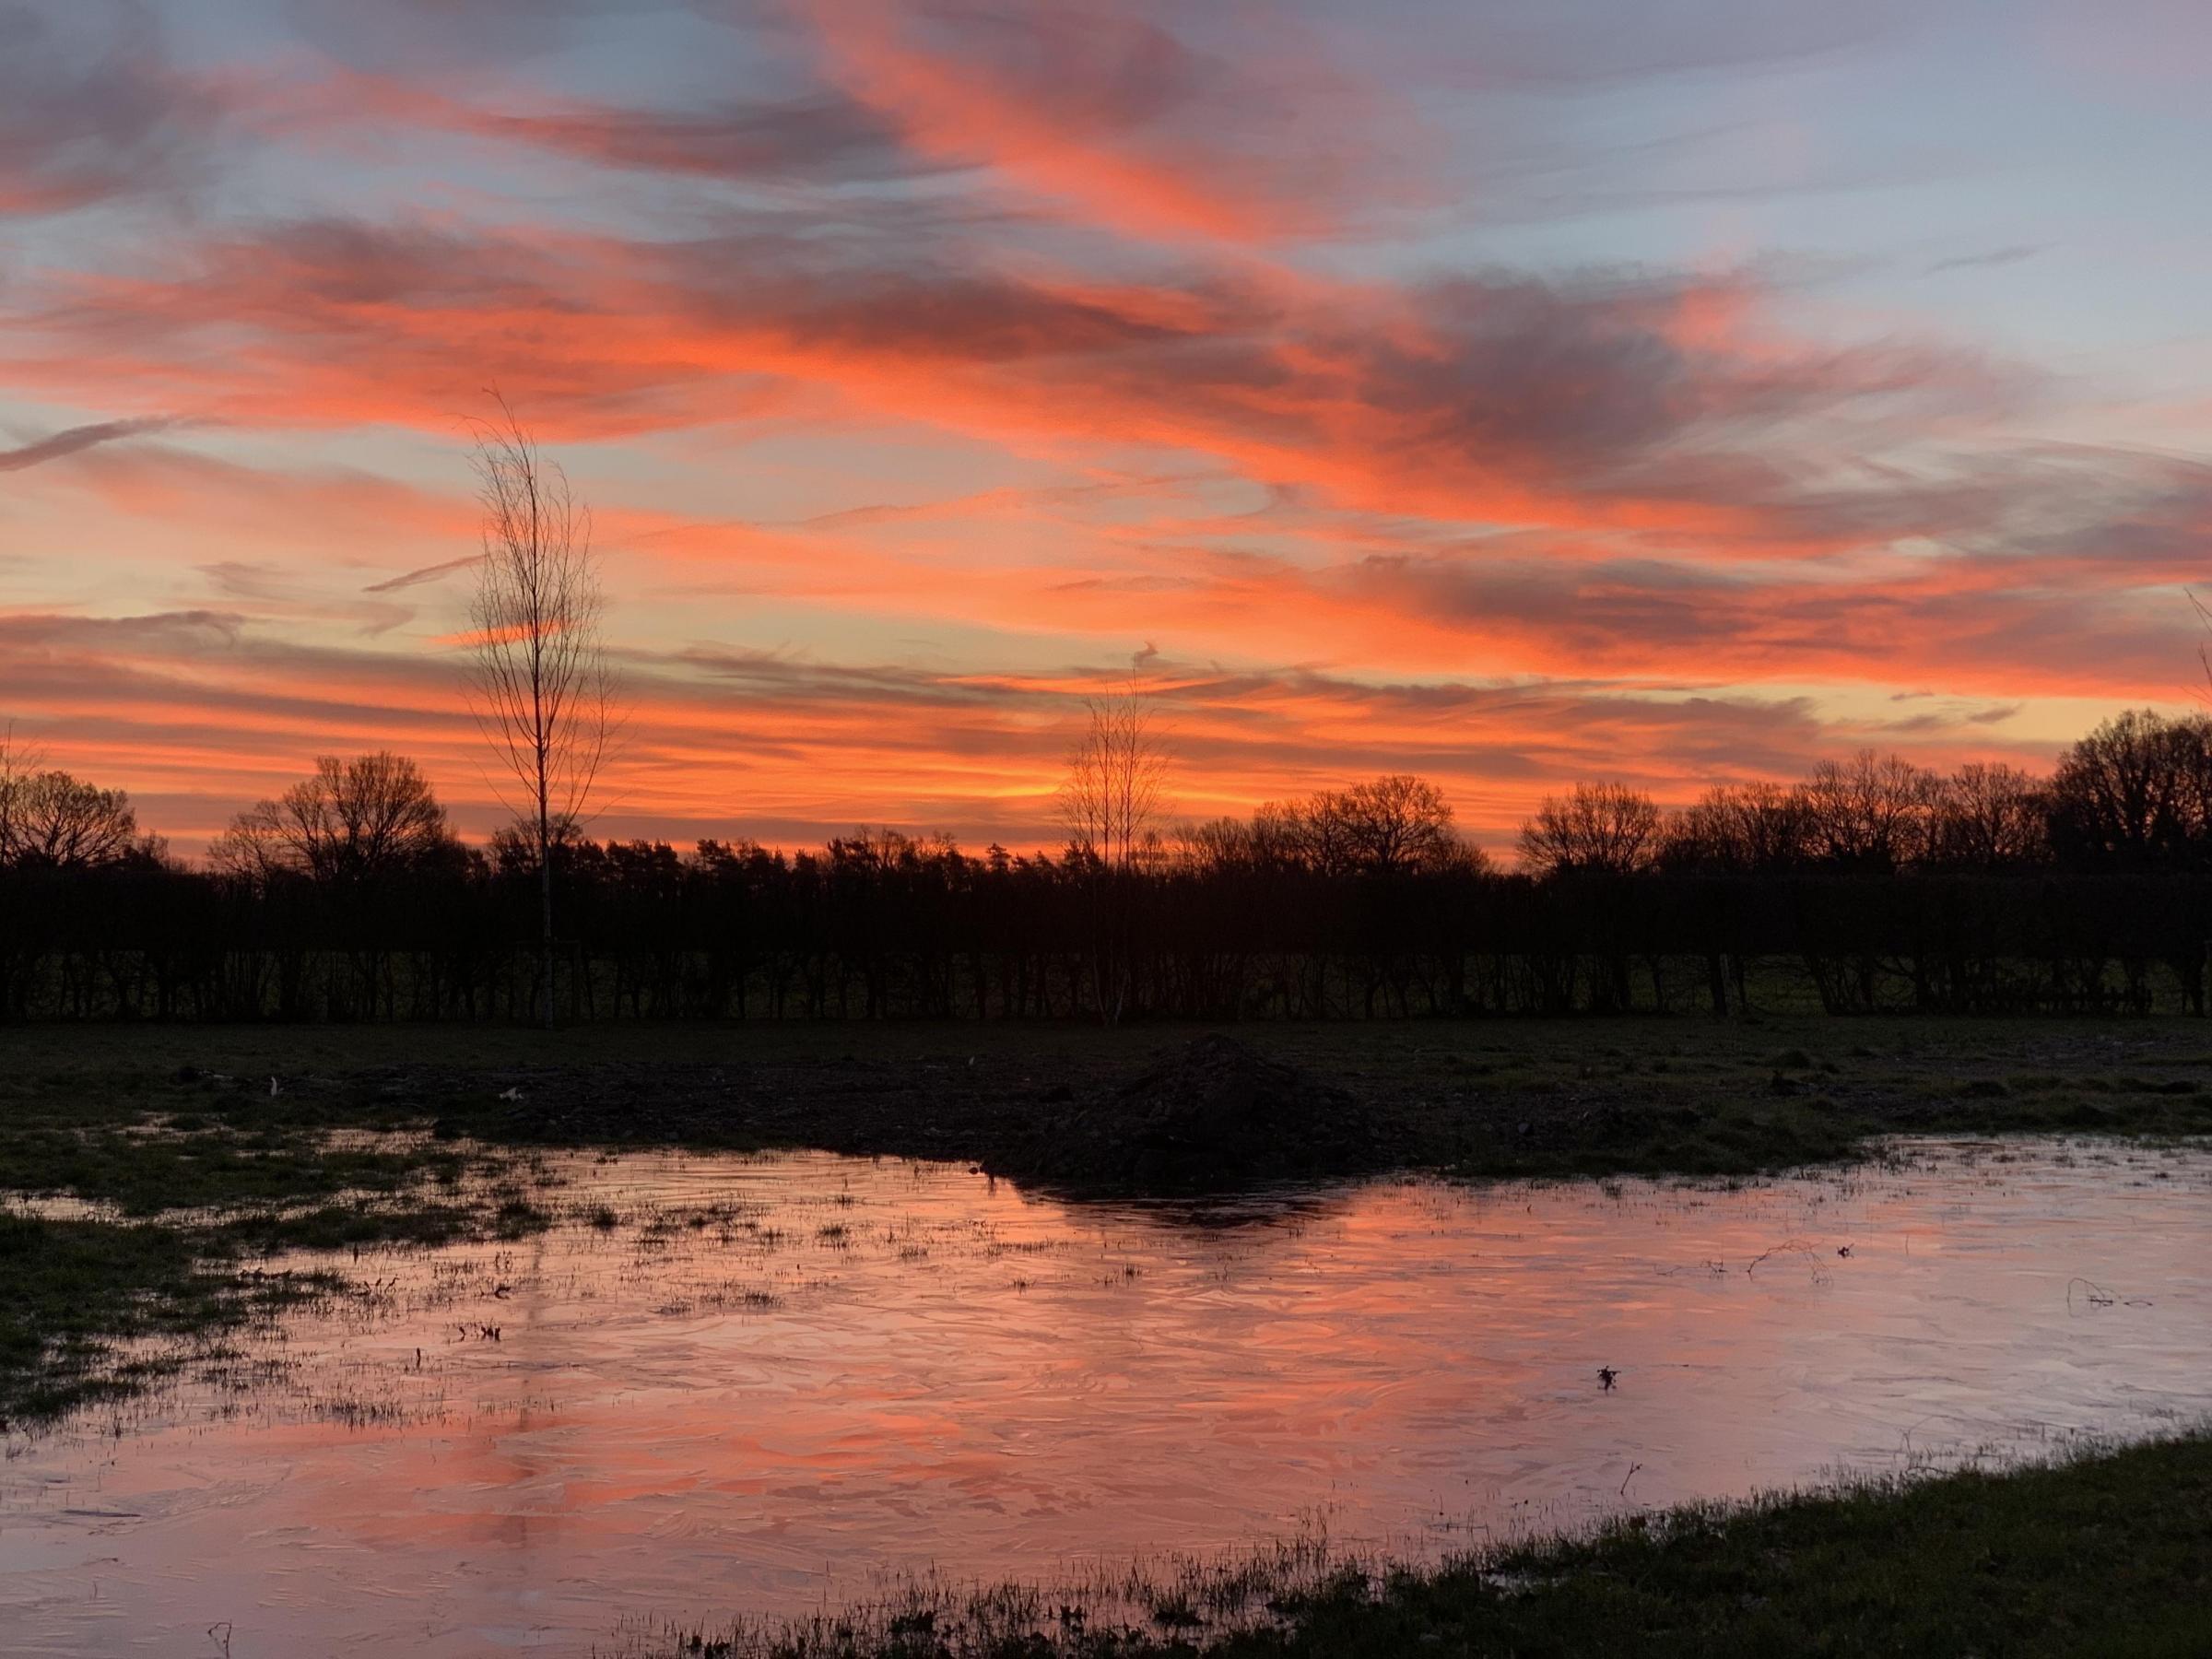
[(1212, 1116)]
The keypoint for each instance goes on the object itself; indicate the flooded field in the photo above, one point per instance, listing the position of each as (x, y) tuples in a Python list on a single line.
[(724, 1385)]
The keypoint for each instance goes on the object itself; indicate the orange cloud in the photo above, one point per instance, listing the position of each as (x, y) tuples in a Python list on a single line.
[(1492, 403), (1113, 113), (199, 714)]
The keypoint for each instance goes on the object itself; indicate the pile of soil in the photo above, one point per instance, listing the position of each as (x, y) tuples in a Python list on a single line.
[(1212, 1116)]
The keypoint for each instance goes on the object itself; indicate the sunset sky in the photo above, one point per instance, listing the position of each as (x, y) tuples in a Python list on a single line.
[(1506, 391)]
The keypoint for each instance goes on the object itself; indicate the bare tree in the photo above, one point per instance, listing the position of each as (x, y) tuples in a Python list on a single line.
[(542, 686), (1309, 834), (1758, 828), (1111, 803), (2204, 648), (1113, 799), (1870, 812), (350, 824), (17, 763), (53, 818), (1989, 817), (1221, 843), (1397, 824), (2136, 793), (1607, 827), (1388, 826)]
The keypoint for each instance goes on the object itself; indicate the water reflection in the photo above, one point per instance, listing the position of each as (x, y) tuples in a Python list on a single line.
[(727, 1385)]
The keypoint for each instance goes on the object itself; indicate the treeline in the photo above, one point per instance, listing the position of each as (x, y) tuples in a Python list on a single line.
[(1871, 885)]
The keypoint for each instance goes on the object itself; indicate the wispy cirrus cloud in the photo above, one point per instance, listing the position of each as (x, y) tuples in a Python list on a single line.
[(74, 440), (1600, 399), (437, 37), (1574, 46), (92, 110), (2035, 544), (1126, 113), (416, 577)]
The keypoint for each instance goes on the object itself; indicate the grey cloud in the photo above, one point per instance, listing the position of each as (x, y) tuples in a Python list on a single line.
[(91, 109), (1572, 45), (442, 35), (428, 573), (822, 138), (71, 439), (1995, 256)]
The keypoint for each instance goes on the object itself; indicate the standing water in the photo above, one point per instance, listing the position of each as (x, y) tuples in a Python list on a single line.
[(726, 1385)]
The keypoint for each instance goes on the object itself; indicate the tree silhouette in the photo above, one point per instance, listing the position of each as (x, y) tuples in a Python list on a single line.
[(1111, 803), (1112, 799), (1394, 824), (350, 824), (17, 763), (1601, 828), (60, 821), (2136, 794), (1870, 813), (1989, 817), (1871, 885), (542, 686)]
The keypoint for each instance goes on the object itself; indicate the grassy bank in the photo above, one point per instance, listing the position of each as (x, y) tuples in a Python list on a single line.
[(1506, 1097), (2110, 1554), (175, 1197), (205, 1151)]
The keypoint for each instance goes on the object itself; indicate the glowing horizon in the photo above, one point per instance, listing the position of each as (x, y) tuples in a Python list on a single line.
[(1675, 394)]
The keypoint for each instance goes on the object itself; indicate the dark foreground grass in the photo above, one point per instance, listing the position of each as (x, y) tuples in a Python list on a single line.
[(184, 1196), (1638, 1096), (212, 1148), (72, 1290), (2109, 1554)]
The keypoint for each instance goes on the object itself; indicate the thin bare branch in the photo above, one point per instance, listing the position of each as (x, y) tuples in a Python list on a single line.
[(542, 688)]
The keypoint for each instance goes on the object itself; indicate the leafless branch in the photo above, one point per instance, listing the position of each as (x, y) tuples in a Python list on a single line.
[(1113, 799), (542, 688)]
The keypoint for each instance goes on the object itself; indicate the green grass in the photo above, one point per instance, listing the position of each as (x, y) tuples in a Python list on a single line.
[(2109, 1554)]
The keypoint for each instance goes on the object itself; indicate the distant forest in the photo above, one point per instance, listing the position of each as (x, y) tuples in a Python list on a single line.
[(1874, 885)]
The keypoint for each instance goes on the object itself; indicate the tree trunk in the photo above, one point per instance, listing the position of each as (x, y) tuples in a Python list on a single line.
[(545, 901)]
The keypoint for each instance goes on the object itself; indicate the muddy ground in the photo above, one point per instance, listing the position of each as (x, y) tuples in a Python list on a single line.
[(1143, 1110)]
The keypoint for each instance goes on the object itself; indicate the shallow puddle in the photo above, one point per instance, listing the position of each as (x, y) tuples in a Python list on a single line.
[(729, 1385)]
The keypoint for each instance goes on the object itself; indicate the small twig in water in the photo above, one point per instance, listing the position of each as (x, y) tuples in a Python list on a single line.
[(2096, 1296), (1628, 1476), (1911, 1458), (1788, 1246)]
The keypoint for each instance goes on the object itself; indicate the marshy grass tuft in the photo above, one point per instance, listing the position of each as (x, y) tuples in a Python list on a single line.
[(2113, 1543)]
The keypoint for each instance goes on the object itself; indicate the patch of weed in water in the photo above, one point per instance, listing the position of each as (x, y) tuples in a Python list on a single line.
[(74, 1293)]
